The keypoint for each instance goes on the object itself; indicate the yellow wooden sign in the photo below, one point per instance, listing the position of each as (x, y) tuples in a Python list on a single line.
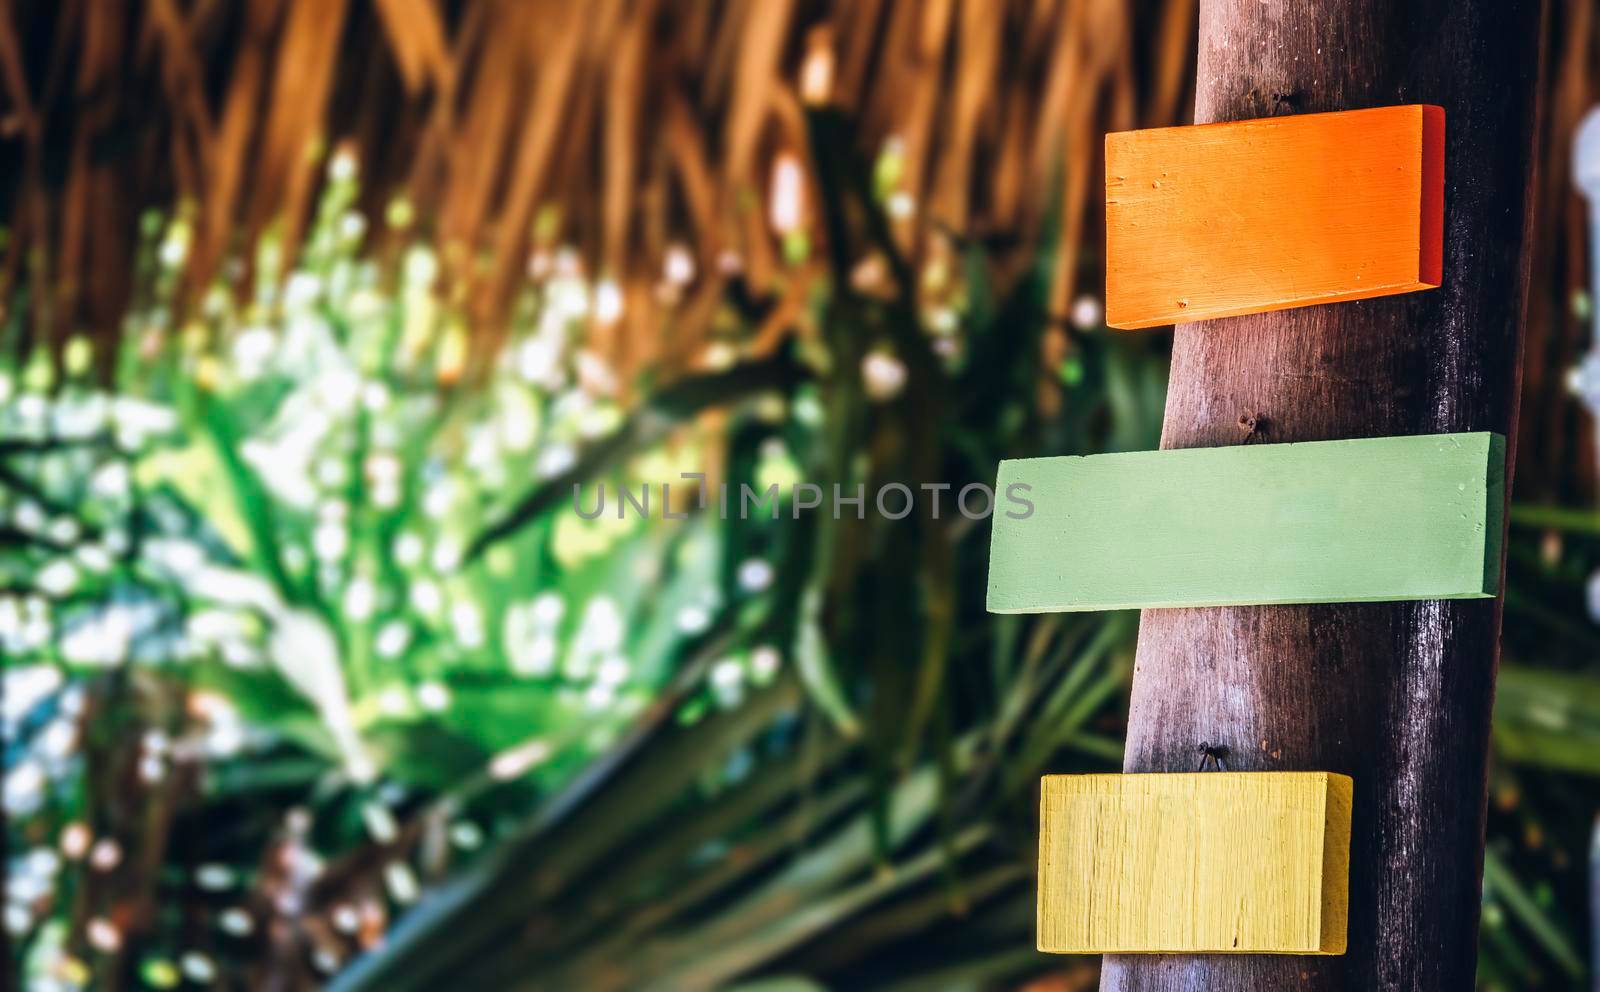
[(1205, 863)]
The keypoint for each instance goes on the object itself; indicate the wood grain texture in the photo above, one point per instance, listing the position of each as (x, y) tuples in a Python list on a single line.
[(1367, 520), (1213, 863), (1218, 220), (1396, 695)]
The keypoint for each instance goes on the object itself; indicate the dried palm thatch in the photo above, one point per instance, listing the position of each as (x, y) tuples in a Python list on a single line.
[(637, 131), (622, 127)]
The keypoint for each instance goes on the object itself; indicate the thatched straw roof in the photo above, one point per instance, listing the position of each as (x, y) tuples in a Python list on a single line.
[(646, 133)]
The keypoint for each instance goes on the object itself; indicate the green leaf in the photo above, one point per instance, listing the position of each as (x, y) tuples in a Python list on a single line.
[(1501, 884), (1548, 718)]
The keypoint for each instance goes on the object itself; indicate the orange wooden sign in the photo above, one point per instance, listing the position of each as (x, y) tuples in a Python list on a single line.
[(1218, 220)]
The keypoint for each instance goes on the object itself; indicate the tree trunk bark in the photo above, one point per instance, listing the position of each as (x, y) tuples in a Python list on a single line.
[(1397, 695)]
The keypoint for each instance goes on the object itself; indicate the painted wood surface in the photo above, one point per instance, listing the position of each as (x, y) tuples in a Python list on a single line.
[(1218, 220), (1396, 695), (1212, 862), (1374, 519)]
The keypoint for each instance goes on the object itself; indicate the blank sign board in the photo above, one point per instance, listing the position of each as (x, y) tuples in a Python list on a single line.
[(1375, 519), (1216, 220), (1213, 862)]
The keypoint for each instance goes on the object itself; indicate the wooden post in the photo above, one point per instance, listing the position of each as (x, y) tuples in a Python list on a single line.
[(1594, 899), (1395, 695)]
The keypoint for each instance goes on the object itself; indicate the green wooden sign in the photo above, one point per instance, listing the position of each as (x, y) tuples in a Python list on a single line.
[(1368, 520)]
